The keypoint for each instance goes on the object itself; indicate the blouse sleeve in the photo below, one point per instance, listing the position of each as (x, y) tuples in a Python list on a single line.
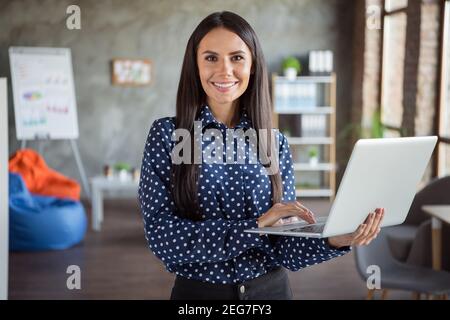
[(176, 240), (295, 253)]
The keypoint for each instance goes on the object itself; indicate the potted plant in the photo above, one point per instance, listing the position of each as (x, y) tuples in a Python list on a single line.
[(122, 168), (313, 156), (376, 130), (291, 67)]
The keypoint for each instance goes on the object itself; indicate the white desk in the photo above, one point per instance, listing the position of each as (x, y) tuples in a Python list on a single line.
[(439, 214), (101, 184)]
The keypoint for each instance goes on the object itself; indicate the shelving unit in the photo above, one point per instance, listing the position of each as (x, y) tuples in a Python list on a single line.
[(299, 105)]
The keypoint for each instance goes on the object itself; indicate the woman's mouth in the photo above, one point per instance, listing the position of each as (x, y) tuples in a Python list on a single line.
[(224, 86)]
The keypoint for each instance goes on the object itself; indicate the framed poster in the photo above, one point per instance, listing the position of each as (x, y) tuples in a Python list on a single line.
[(131, 72)]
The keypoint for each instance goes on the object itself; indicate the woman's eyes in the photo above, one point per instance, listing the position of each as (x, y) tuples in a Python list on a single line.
[(234, 58)]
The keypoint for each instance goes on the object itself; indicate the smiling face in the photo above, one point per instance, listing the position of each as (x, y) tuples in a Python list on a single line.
[(224, 62)]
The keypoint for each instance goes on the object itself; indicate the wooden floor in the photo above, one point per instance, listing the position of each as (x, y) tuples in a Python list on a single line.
[(116, 264)]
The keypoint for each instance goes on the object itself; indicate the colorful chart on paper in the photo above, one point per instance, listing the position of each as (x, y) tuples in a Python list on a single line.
[(44, 93)]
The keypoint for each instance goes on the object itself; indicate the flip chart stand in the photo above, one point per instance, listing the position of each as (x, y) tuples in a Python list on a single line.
[(76, 154)]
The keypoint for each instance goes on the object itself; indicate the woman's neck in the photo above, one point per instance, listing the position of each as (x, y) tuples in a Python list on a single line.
[(227, 114)]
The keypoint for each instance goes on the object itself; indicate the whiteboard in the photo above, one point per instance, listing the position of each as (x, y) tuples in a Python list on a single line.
[(4, 201), (44, 93)]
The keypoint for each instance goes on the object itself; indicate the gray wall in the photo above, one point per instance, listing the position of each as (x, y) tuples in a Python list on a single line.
[(114, 121)]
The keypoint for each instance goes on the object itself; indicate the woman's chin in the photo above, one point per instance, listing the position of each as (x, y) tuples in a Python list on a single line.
[(222, 100)]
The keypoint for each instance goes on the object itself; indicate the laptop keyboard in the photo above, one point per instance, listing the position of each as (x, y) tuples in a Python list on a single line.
[(309, 228)]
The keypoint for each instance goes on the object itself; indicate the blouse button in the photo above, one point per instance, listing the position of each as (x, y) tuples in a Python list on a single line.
[(242, 289)]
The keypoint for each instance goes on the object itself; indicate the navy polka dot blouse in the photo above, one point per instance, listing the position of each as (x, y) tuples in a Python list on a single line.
[(231, 198)]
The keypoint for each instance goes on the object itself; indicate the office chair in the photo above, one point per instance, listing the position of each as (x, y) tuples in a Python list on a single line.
[(398, 275)]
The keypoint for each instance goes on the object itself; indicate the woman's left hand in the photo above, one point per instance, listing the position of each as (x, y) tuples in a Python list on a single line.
[(365, 233)]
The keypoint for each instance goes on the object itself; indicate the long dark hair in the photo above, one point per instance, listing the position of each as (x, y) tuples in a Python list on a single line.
[(191, 97)]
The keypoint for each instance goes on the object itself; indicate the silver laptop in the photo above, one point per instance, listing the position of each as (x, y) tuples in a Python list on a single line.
[(381, 173)]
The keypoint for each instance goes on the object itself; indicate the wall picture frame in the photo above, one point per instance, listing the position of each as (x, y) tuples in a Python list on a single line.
[(131, 72)]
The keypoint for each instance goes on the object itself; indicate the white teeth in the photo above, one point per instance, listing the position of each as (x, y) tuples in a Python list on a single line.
[(223, 85)]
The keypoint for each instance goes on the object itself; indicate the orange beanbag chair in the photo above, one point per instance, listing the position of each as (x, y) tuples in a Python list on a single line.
[(40, 179)]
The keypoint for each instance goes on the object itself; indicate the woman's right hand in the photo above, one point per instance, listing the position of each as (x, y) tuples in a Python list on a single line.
[(283, 210)]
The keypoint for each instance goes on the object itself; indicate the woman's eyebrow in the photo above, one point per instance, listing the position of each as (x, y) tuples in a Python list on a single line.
[(231, 53)]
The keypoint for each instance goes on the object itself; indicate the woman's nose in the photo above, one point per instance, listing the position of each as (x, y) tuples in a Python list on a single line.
[(226, 67)]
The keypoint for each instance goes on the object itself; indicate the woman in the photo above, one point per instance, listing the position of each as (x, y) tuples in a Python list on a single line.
[(195, 213)]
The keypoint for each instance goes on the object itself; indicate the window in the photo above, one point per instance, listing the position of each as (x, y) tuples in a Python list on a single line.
[(394, 22), (392, 5), (444, 116), (393, 57), (393, 61)]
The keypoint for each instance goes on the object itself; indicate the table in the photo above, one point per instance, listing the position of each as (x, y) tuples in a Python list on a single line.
[(100, 184), (439, 214)]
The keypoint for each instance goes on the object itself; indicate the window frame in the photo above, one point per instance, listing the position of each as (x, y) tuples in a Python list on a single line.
[(384, 14), (439, 102), (440, 97)]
